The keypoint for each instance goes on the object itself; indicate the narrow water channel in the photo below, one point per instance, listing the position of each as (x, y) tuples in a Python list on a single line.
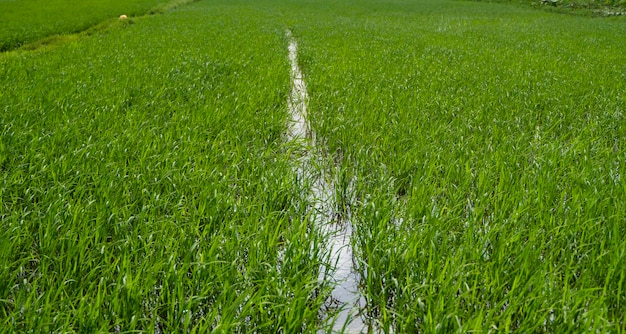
[(338, 230)]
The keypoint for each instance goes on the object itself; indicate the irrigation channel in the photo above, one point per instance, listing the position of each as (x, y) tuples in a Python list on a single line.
[(337, 227)]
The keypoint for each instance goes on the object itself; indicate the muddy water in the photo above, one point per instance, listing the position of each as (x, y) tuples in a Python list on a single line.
[(337, 228)]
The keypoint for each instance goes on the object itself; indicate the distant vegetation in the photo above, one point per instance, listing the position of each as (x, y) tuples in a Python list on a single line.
[(583, 3), (24, 21), (603, 7)]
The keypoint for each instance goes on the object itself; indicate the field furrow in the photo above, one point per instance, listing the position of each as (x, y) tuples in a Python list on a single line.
[(178, 174)]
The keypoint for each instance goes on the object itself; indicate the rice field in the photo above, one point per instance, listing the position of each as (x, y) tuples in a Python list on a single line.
[(471, 152), (29, 23)]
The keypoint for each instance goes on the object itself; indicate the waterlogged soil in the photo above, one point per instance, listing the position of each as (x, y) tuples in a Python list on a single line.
[(345, 297)]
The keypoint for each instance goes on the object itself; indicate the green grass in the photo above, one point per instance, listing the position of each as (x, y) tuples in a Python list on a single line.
[(26, 21), (487, 157), (146, 181)]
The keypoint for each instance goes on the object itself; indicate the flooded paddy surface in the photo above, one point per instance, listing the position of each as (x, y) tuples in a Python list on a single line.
[(461, 172), (336, 227)]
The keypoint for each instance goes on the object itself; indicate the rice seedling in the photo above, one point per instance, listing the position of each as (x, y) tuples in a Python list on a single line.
[(487, 155), (146, 185), (147, 178)]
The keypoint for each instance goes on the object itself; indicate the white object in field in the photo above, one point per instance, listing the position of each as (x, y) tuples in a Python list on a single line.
[(123, 17)]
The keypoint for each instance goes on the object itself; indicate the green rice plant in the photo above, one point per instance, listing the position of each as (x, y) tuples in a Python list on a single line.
[(145, 184), (487, 157)]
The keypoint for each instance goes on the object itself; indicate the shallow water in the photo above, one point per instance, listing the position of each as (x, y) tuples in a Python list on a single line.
[(338, 229), (346, 293)]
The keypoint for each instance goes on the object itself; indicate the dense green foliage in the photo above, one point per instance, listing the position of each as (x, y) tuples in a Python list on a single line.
[(25, 21), (487, 156), (146, 182)]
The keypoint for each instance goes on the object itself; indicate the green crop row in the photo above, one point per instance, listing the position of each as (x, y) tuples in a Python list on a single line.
[(485, 143), (145, 184)]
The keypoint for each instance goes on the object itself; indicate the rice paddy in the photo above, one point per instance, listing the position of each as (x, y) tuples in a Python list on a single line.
[(200, 170)]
